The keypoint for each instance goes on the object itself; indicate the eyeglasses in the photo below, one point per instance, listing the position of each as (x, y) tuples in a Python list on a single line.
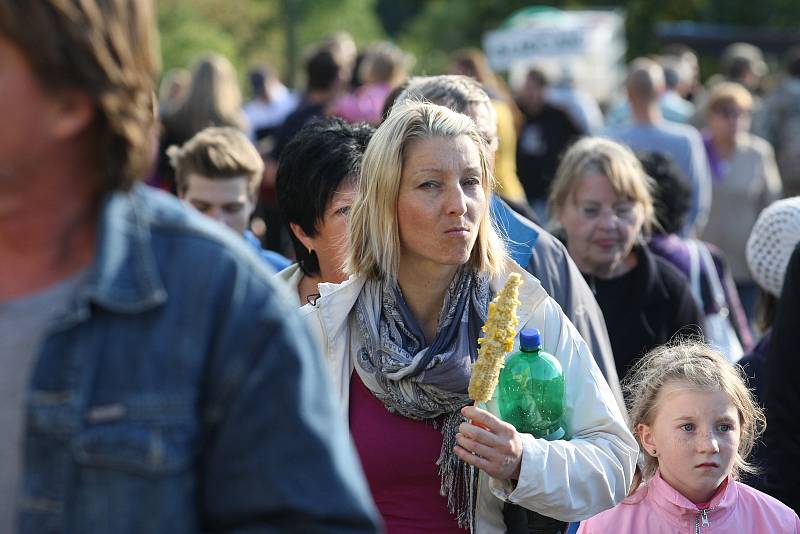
[(625, 211), (732, 112)]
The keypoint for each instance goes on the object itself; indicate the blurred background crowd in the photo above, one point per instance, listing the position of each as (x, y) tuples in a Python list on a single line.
[(710, 108)]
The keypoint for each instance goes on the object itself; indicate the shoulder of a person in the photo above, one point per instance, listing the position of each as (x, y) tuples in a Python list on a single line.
[(685, 131), (753, 499), (555, 111), (335, 300), (551, 256), (757, 144), (180, 236), (289, 272), (165, 215), (624, 512), (620, 134), (669, 274), (501, 107), (550, 244), (531, 292), (662, 277)]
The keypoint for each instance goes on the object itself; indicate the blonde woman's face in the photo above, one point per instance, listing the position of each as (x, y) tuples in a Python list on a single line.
[(695, 436), (601, 227), (440, 205)]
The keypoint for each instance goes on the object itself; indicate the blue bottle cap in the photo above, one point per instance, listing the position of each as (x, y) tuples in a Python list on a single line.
[(530, 339)]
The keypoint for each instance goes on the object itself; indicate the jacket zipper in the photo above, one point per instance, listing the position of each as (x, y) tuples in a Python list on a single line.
[(701, 520)]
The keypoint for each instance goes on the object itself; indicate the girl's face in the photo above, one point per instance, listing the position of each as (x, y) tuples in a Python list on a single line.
[(695, 436)]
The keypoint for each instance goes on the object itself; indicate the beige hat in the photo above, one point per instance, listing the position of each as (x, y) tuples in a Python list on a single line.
[(771, 243)]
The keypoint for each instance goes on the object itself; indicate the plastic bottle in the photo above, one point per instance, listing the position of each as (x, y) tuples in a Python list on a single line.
[(531, 389)]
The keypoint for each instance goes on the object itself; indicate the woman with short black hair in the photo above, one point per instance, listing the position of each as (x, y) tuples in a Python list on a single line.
[(316, 183)]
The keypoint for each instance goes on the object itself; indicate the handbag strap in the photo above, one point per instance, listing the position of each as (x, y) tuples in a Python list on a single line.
[(717, 293), (694, 271)]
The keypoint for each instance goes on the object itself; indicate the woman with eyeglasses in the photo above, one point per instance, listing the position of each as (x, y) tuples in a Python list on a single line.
[(745, 180), (601, 198)]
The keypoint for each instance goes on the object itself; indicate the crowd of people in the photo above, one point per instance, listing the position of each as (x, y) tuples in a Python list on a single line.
[(282, 338)]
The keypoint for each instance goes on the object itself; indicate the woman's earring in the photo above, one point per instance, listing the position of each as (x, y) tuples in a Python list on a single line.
[(653, 453)]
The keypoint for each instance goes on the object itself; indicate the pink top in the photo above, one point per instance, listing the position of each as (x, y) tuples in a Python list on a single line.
[(399, 459), (657, 508), (364, 105)]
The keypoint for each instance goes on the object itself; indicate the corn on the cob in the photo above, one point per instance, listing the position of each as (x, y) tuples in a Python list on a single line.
[(499, 336)]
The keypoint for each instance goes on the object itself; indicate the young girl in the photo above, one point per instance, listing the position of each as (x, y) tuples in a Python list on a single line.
[(696, 422)]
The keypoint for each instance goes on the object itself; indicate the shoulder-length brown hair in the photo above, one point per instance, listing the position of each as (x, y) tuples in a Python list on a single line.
[(212, 99)]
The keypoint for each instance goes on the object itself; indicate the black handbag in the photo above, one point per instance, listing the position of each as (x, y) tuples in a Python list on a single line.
[(520, 520)]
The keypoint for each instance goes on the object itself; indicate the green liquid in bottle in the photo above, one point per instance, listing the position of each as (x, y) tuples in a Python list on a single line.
[(530, 393)]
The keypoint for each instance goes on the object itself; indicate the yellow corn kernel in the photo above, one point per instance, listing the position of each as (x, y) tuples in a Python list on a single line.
[(499, 336)]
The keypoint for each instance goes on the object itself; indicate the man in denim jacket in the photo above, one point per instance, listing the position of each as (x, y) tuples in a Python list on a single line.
[(154, 379)]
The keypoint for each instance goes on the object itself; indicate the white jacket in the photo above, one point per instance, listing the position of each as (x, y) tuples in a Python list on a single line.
[(566, 480)]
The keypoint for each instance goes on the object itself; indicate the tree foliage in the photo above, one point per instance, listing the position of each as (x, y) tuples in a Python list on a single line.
[(251, 32), (255, 31)]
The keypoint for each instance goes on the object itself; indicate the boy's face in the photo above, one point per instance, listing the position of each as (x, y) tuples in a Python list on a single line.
[(226, 200)]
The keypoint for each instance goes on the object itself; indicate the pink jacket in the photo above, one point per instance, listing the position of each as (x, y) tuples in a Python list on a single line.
[(656, 508)]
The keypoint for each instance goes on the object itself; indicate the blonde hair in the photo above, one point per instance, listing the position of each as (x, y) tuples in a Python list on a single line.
[(107, 50), (217, 153), (725, 94), (698, 366), (598, 155), (374, 238)]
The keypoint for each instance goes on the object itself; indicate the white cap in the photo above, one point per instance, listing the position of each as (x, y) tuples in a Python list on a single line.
[(772, 241)]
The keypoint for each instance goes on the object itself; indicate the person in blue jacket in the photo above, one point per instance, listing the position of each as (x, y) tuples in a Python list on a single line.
[(155, 378), (218, 172)]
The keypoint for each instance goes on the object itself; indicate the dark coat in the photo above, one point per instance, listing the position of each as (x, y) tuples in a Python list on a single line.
[(753, 365), (782, 437), (645, 308)]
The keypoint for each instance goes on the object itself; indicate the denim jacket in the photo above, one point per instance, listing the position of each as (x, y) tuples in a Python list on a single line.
[(182, 394)]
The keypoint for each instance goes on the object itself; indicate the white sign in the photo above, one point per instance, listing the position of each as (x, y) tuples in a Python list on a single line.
[(584, 48), (504, 47)]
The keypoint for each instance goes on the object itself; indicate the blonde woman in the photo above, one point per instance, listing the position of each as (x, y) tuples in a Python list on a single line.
[(400, 338), (602, 199), (744, 177)]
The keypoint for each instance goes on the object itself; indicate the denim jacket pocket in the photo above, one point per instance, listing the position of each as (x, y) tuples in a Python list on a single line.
[(148, 446)]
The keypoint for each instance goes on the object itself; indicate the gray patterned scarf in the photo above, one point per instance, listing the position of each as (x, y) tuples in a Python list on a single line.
[(427, 383)]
